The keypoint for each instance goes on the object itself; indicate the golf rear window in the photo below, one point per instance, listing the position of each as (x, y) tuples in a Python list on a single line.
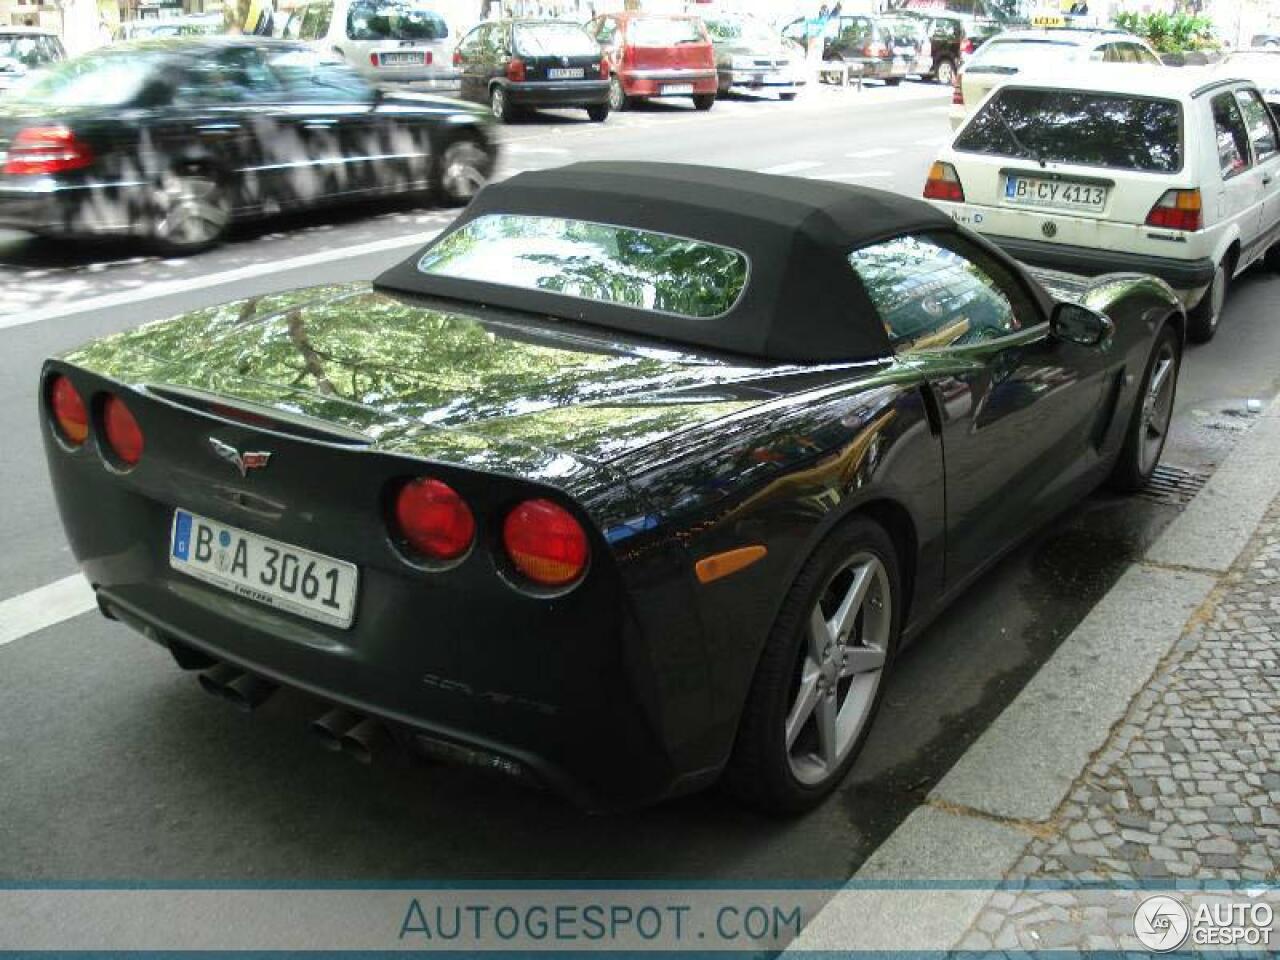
[(593, 261), (1076, 126)]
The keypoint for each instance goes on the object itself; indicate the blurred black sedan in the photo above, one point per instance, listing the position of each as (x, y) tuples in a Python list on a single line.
[(172, 140)]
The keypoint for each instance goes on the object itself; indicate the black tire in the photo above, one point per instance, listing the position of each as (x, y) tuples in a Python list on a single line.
[(1149, 422), (788, 96), (704, 101), (598, 113), (465, 166), (760, 772), (1204, 317), (188, 212), (500, 104), (618, 99), (892, 81), (1272, 258)]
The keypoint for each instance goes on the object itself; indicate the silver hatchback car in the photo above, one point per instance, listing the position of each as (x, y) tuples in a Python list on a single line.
[(402, 42)]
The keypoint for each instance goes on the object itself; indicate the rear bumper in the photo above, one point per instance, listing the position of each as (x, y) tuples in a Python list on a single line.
[(557, 93), (762, 79), (45, 205), (1187, 277), (563, 692), (654, 83)]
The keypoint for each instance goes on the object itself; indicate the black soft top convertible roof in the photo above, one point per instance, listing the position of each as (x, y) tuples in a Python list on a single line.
[(803, 302)]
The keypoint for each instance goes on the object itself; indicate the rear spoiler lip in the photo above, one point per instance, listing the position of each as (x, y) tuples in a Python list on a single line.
[(311, 428)]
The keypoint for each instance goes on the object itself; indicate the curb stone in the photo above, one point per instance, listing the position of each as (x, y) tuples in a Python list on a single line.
[(1042, 742)]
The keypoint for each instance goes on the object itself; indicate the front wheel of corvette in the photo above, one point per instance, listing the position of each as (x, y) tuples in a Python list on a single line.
[(1152, 413), (820, 677)]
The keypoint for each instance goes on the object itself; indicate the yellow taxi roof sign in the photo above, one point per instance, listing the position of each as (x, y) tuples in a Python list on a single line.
[(1048, 18)]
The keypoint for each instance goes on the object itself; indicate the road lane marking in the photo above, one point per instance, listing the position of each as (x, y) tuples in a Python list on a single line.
[(873, 152), (44, 606), (155, 291), (794, 167)]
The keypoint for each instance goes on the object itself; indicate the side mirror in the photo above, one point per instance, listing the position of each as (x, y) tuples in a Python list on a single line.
[(1076, 324)]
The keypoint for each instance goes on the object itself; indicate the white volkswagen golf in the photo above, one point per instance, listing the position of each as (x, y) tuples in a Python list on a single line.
[(1170, 172)]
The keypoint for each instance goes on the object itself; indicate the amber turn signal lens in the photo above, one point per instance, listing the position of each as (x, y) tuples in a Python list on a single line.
[(68, 410), (545, 543)]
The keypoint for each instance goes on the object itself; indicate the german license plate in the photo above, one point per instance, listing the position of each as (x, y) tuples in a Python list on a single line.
[(277, 574), (566, 73), (1063, 194), (414, 57), (676, 89)]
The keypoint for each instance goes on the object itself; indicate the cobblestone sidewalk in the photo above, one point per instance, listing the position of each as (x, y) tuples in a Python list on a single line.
[(1188, 786)]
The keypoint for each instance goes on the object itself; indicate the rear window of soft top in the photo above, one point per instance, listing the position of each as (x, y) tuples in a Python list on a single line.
[(1117, 131)]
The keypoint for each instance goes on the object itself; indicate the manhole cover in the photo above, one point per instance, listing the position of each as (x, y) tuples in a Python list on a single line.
[(1174, 485)]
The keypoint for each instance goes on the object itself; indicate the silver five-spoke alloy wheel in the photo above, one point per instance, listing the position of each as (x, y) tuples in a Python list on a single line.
[(840, 667), (1157, 407), (189, 211), (463, 170)]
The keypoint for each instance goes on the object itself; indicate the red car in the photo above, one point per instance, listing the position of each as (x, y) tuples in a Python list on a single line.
[(657, 55)]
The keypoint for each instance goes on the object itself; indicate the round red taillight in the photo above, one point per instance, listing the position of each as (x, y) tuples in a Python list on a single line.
[(434, 520), (68, 410), (545, 543), (124, 436)]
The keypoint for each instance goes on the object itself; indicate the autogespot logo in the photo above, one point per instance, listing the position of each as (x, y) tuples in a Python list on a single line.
[(1161, 923)]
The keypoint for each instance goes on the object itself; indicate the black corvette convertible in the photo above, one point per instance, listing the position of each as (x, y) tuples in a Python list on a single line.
[(633, 480), (171, 140)]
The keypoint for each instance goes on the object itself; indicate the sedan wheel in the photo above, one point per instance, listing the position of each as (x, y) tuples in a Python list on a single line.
[(189, 213), (840, 668), (821, 674), (946, 73), (1206, 314), (618, 99), (464, 169), (499, 105)]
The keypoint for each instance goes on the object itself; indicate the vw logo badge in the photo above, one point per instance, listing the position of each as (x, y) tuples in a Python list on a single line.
[(1049, 228)]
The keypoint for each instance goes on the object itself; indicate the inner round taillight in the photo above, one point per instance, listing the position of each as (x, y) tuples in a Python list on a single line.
[(68, 410), (434, 520), (545, 543), (124, 436)]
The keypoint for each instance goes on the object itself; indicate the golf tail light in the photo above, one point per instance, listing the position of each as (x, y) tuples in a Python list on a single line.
[(515, 70), (373, 60), (69, 410), (943, 184), (1177, 210), (45, 150), (457, 58), (434, 520), (604, 68), (545, 543), (124, 436), (957, 93)]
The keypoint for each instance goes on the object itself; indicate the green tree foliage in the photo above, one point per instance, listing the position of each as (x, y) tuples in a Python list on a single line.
[(1170, 32)]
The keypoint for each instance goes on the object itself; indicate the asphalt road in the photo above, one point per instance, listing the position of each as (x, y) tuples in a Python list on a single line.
[(114, 766)]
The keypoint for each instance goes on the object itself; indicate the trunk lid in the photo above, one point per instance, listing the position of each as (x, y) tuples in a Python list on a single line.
[(660, 43), (503, 395)]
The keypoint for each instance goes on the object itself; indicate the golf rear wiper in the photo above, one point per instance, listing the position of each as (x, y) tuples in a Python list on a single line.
[(1008, 128)]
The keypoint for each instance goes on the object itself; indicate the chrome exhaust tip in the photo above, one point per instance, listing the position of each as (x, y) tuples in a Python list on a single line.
[(215, 681), (247, 692), (366, 740), (330, 728)]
